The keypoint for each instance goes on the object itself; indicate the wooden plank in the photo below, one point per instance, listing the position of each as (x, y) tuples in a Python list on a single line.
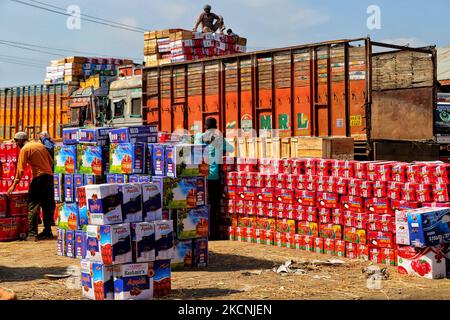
[(286, 148), (406, 151), (338, 148), (242, 148)]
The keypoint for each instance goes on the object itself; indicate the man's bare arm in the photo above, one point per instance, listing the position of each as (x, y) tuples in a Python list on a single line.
[(199, 20)]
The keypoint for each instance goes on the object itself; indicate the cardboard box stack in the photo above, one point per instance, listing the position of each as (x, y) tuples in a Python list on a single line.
[(116, 190), (177, 45), (13, 209), (76, 69), (343, 208)]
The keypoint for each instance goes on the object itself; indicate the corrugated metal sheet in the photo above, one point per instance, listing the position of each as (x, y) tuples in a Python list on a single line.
[(443, 68)]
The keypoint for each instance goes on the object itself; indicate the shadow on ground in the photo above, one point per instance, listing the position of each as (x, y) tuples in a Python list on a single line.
[(21, 274), (199, 293), (219, 262)]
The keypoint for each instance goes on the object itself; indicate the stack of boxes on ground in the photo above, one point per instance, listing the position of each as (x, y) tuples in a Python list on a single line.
[(387, 212), (76, 69), (13, 209), (177, 45), (117, 192)]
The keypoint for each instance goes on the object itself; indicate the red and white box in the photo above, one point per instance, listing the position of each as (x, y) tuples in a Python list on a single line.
[(305, 197), (250, 208), (323, 167), (309, 243), (307, 228), (378, 205), (397, 205), (341, 185), (311, 184), (324, 215), (409, 192), (247, 165), (284, 195), (311, 167), (12, 152), (427, 263), (372, 170), (365, 189), (425, 173), (297, 167), (337, 216), (293, 211), (384, 171), (360, 170), (363, 251), (395, 190), (280, 211), (352, 203), (250, 179), (380, 222), (356, 220), (261, 209), (240, 207), (441, 192), (424, 193), (291, 181), (265, 194), (270, 180), (280, 181), (399, 172), (339, 248), (353, 187), (331, 231), (8, 170), (380, 189), (329, 246), (402, 236), (309, 214), (286, 166), (389, 256), (375, 254), (351, 250), (319, 245), (441, 173), (299, 241), (328, 200), (436, 204), (381, 239), (240, 179), (270, 209), (260, 180), (412, 173)]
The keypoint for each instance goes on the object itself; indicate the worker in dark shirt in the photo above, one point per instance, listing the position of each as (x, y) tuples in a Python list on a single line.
[(207, 18)]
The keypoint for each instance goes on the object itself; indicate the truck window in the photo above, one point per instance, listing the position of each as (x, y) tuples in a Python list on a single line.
[(136, 108), (119, 107)]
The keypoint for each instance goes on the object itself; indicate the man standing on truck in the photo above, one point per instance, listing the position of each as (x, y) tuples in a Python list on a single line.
[(207, 18), (217, 147), (40, 194)]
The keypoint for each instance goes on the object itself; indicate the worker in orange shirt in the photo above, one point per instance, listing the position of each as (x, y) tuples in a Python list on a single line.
[(41, 191)]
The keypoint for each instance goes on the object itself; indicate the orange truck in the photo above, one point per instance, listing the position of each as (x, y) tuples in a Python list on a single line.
[(373, 92)]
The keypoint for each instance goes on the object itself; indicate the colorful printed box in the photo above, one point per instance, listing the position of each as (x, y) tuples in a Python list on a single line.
[(131, 202), (144, 134), (339, 247), (363, 251), (330, 231), (80, 244), (58, 187), (329, 246), (355, 235), (143, 242), (328, 200), (109, 244), (61, 242), (429, 227), (351, 250), (309, 243), (127, 158), (427, 262), (83, 217), (65, 158), (162, 278), (179, 193), (319, 245), (201, 191), (381, 239), (192, 223), (164, 240), (104, 204), (99, 136), (201, 253), (97, 281), (70, 136), (67, 216), (159, 159), (78, 181), (152, 202), (91, 159), (185, 161), (133, 281), (90, 179), (183, 255), (69, 194), (70, 243)]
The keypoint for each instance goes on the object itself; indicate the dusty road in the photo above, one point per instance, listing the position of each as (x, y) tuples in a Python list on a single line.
[(236, 271)]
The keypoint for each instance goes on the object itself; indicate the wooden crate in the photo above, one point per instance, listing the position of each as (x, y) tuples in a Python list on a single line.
[(273, 148), (326, 148), (252, 147), (242, 148), (286, 148)]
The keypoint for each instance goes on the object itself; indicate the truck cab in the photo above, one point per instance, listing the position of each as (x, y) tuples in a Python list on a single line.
[(125, 98)]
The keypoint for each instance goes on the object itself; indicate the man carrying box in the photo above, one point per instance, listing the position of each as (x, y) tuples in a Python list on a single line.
[(207, 18), (40, 194)]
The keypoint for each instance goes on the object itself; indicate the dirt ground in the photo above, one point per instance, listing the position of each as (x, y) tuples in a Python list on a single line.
[(237, 271)]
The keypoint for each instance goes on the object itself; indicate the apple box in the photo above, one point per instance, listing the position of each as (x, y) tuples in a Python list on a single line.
[(133, 281), (427, 262), (97, 281), (65, 158), (429, 226)]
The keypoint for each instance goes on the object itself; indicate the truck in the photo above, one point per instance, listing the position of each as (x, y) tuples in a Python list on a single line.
[(35, 108), (381, 95)]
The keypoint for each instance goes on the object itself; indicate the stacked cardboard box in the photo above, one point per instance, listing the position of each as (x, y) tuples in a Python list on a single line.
[(177, 45), (13, 209), (75, 69), (146, 185), (339, 207)]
